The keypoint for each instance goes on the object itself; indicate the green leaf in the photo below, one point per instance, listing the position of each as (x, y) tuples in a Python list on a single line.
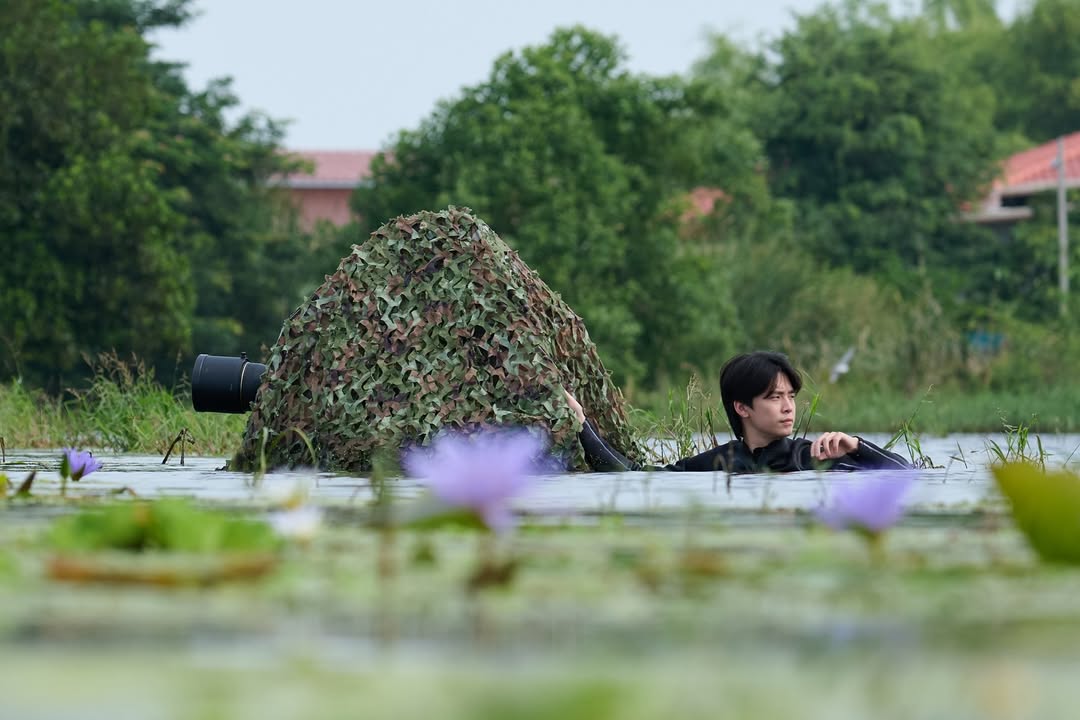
[(1046, 508)]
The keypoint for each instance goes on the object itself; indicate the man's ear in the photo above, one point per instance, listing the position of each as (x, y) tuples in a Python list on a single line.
[(741, 408)]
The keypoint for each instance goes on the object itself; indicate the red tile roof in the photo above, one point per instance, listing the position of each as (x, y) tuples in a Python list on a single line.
[(702, 201), (334, 169), (1034, 170), (1026, 173)]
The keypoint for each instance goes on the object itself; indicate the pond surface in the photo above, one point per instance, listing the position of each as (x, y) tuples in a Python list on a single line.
[(749, 613), (960, 480)]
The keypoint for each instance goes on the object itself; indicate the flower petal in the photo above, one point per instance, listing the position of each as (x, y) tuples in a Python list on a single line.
[(481, 472)]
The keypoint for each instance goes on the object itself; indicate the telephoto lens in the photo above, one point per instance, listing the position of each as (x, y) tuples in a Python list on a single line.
[(225, 384)]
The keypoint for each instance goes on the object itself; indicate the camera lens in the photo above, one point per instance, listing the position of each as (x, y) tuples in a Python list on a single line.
[(225, 384)]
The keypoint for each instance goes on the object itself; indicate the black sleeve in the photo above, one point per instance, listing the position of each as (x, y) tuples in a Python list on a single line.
[(604, 458), (601, 456), (869, 456)]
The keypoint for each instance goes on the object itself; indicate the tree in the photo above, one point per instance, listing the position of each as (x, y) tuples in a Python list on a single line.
[(1039, 87), (961, 13), (138, 218), (874, 136), (580, 166), (94, 244)]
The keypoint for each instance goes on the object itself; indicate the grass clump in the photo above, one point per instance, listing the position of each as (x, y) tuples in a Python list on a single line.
[(123, 409)]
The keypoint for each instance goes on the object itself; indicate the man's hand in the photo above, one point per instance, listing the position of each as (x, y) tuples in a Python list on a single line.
[(831, 445), (579, 413)]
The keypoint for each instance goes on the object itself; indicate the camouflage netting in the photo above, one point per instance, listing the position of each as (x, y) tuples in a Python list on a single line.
[(432, 322)]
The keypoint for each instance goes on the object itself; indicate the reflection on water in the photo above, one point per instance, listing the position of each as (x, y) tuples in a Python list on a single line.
[(960, 480)]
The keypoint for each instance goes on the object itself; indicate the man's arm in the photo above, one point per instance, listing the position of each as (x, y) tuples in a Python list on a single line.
[(600, 456), (850, 450), (870, 456)]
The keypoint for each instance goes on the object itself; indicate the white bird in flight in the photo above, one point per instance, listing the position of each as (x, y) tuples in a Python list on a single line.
[(842, 365)]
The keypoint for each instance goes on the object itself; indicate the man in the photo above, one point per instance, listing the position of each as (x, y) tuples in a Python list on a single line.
[(758, 390)]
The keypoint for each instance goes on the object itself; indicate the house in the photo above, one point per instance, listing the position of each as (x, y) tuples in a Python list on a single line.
[(323, 194), (1024, 175)]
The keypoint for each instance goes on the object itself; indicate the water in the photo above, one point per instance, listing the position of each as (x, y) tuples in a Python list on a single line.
[(961, 480), (817, 625)]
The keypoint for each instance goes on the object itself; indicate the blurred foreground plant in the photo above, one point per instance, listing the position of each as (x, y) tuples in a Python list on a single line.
[(167, 542), (481, 473), (1045, 506), (868, 505), (475, 477), (169, 525)]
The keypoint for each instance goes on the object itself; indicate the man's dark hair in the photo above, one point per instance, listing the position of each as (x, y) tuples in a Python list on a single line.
[(747, 376)]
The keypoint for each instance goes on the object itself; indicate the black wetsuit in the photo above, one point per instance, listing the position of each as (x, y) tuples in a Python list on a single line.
[(783, 455)]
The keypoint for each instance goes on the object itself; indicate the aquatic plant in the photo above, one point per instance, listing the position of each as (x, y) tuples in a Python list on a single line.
[(910, 436), (688, 424), (480, 473), (869, 505), (168, 525), (1045, 507), (296, 523), (1019, 447), (75, 465), (170, 542)]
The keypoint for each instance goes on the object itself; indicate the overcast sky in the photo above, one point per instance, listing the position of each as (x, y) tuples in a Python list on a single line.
[(350, 73)]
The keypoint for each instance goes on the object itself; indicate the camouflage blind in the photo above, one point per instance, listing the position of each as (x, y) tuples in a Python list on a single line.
[(433, 322)]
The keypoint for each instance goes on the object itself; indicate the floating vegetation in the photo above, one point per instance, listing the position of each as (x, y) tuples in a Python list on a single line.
[(161, 542), (868, 505)]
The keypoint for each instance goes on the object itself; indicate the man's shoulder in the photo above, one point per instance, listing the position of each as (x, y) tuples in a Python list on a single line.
[(720, 457)]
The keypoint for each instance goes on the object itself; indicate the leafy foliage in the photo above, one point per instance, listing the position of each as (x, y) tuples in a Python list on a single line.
[(135, 217), (1039, 83), (94, 250), (577, 164), (839, 157), (171, 525), (878, 141)]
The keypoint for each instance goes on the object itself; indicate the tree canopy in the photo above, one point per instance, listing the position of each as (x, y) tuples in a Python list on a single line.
[(877, 139), (834, 164), (136, 218), (583, 168)]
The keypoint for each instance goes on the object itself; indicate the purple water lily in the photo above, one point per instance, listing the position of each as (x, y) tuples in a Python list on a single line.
[(482, 472), (870, 505), (77, 464)]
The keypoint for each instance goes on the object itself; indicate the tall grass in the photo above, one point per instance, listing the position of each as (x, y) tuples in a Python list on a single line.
[(690, 423), (123, 410), (940, 411), (868, 409)]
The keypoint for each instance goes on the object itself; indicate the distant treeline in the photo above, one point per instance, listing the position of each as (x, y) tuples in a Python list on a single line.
[(838, 160)]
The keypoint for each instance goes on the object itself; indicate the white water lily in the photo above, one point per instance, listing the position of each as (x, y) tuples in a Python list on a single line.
[(300, 523)]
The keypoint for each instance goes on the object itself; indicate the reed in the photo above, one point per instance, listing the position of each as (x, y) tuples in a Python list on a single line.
[(123, 409)]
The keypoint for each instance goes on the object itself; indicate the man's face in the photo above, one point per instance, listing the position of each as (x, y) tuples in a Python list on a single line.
[(771, 415)]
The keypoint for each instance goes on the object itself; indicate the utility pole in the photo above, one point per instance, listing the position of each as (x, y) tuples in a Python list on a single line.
[(1063, 228)]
